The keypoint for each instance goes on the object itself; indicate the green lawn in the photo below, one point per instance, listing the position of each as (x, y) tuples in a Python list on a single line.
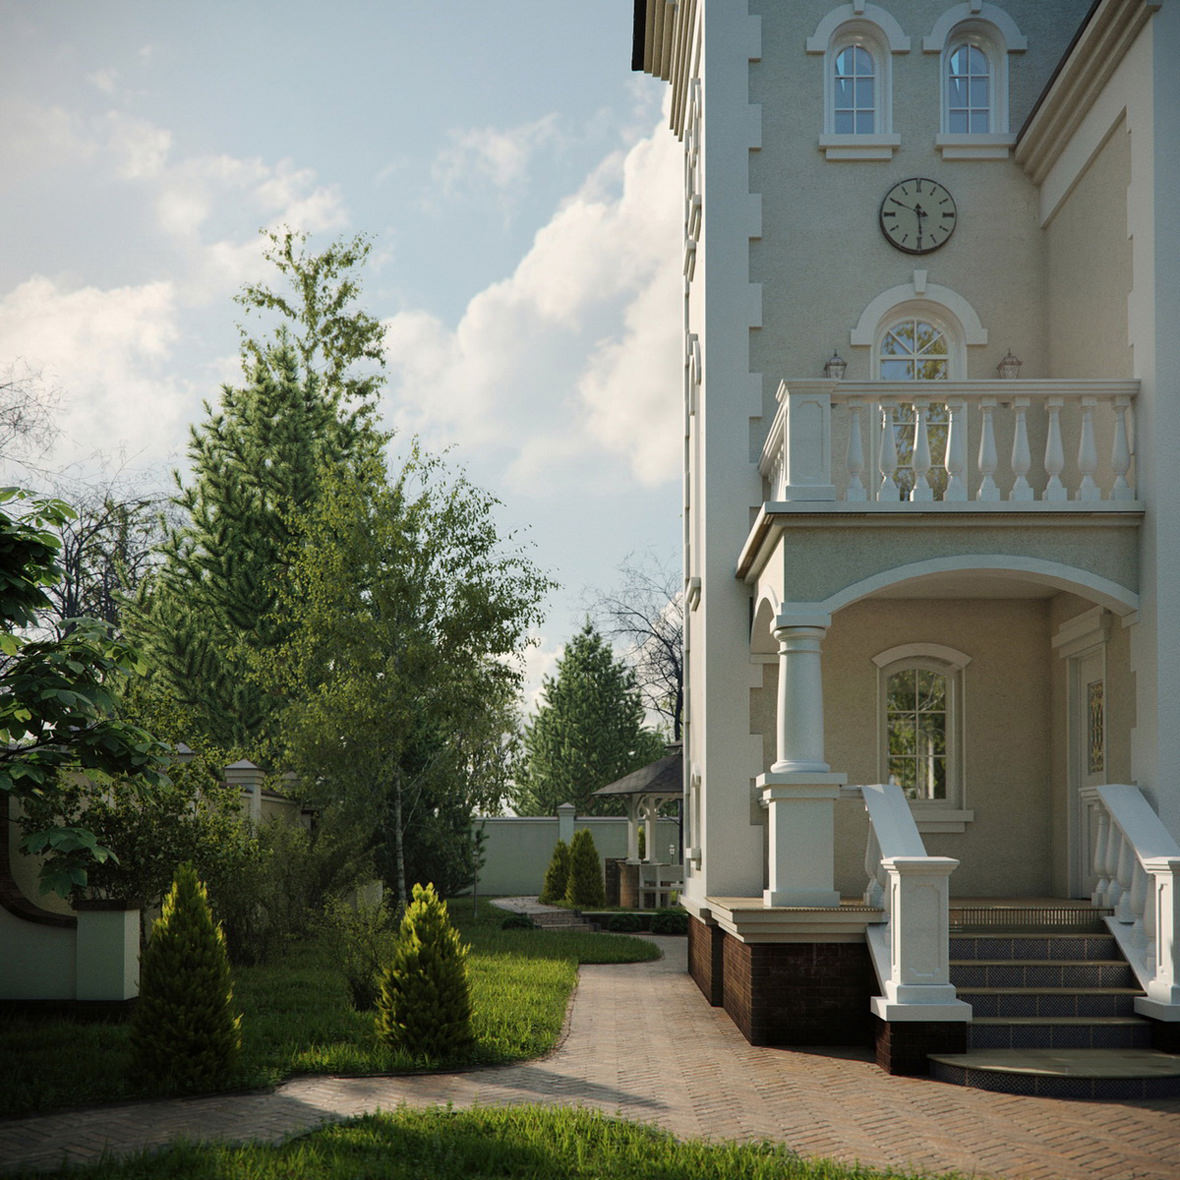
[(469, 1145), (297, 1019)]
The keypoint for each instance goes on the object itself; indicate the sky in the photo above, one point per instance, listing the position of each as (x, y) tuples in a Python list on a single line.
[(518, 181)]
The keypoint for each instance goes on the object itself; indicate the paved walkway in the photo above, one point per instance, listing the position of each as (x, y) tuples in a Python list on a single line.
[(642, 1042)]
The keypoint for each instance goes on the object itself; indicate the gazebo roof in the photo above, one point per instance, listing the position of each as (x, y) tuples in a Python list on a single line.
[(663, 777)]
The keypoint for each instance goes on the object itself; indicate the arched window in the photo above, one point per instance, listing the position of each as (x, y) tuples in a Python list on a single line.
[(917, 702), (914, 348), (857, 42), (974, 40), (968, 90), (921, 721), (916, 344), (854, 98)]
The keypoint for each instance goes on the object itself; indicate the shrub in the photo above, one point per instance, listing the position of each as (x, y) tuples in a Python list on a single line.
[(669, 922), (557, 875), (424, 1005), (625, 923), (184, 1033), (585, 887), (361, 940), (518, 922)]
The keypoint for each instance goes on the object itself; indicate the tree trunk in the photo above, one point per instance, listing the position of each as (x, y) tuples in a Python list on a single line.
[(399, 847)]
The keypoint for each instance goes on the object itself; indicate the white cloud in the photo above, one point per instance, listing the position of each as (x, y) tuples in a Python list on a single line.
[(105, 80), (596, 296), (38, 138), (107, 352), (478, 156), (139, 148)]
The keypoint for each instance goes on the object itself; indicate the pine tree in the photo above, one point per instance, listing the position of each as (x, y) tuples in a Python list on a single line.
[(184, 1033), (587, 732), (557, 875), (585, 887), (424, 1008), (257, 462)]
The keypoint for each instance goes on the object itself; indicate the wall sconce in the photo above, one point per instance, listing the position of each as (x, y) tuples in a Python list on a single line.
[(835, 368), (1009, 367)]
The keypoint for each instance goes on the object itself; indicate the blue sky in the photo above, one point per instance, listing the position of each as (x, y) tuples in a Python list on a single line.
[(518, 179)]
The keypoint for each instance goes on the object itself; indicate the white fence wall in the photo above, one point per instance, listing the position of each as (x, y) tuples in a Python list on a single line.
[(519, 848)]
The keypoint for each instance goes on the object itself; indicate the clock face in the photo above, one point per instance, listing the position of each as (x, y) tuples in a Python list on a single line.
[(918, 215)]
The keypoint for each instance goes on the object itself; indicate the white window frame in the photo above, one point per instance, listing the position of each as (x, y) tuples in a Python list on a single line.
[(872, 28), (931, 815), (990, 29)]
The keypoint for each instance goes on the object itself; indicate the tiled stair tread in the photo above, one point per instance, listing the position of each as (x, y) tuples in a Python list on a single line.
[(1079, 1020), (1076, 1063), (1048, 991), (1038, 962)]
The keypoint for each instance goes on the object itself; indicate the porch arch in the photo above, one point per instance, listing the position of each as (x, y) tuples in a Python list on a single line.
[(1118, 599)]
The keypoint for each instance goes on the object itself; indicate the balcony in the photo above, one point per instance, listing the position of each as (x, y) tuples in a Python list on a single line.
[(947, 446), (899, 456)]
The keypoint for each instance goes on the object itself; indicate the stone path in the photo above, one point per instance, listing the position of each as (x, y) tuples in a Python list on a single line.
[(642, 1042)]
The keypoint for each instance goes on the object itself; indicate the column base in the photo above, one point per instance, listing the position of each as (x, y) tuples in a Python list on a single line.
[(808, 898)]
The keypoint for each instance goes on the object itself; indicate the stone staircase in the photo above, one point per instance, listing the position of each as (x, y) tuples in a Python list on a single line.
[(1053, 1004), (562, 920)]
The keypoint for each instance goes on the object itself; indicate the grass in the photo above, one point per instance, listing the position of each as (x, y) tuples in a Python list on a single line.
[(297, 1019), (482, 1143)]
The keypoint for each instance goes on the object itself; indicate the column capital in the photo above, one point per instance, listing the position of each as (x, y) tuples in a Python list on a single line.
[(792, 615)]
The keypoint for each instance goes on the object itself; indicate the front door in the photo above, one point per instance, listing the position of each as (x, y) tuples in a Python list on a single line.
[(1087, 760)]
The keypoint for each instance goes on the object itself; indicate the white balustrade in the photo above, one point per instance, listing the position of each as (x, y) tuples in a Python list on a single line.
[(918, 447), (1136, 862), (911, 951)]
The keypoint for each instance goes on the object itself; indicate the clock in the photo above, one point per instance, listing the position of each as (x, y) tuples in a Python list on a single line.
[(918, 215)]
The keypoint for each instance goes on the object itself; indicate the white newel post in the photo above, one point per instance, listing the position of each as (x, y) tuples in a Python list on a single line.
[(1163, 903), (917, 898), (799, 792), (807, 446), (565, 823)]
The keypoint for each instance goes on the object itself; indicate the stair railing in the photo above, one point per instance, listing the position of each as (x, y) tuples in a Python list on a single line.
[(911, 948), (1137, 863)]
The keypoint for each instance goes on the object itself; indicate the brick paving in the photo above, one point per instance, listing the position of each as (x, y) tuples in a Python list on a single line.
[(641, 1042)]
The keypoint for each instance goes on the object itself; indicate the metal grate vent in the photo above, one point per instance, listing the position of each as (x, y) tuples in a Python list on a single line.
[(1028, 917)]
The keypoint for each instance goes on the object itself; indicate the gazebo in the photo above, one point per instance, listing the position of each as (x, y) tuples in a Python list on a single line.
[(648, 882)]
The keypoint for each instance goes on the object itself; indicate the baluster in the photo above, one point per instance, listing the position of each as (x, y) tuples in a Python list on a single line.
[(1101, 838), (855, 491), (956, 451), (1055, 490), (1150, 925), (1021, 458), (888, 461), (1114, 844), (1120, 451), (988, 460), (874, 894), (1126, 872), (1088, 453), (1136, 897), (921, 492)]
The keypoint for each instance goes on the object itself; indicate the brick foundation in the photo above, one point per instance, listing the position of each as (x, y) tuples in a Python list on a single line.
[(1165, 1036), (902, 1047), (704, 959), (798, 993)]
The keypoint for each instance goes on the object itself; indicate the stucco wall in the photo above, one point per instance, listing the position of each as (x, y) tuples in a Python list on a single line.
[(822, 257), (1089, 268), (518, 849)]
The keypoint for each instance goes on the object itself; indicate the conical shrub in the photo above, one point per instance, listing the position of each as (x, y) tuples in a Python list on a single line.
[(424, 1007), (557, 875), (185, 1034), (585, 886)]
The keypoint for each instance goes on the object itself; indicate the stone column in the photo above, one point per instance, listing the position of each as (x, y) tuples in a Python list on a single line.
[(107, 951), (565, 822), (799, 792)]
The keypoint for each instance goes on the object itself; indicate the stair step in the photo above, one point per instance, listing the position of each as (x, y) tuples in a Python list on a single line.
[(1109, 1074), (1059, 1032), (1091, 1002), (1040, 973), (1056, 947)]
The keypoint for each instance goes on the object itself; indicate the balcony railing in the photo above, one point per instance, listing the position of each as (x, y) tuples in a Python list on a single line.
[(936, 443)]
